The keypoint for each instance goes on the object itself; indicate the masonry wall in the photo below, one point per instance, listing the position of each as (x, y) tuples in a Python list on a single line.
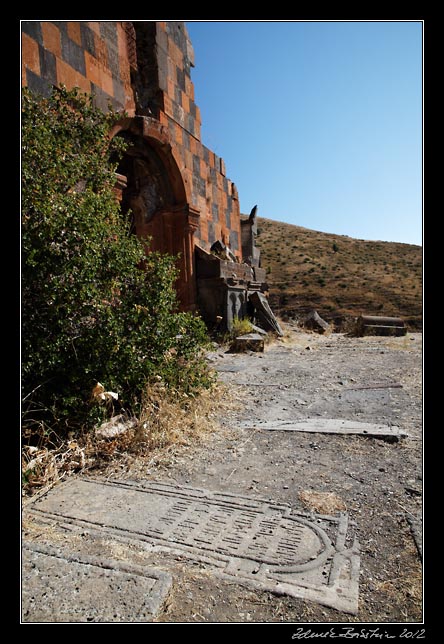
[(213, 193), (90, 55), (143, 68)]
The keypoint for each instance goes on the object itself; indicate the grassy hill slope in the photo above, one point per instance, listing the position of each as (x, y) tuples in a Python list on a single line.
[(339, 276)]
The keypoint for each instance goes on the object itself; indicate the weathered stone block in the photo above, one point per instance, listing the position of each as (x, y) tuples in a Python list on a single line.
[(234, 240), (33, 29), (74, 32), (37, 84), (248, 342), (314, 322), (73, 54), (30, 54), (71, 78), (48, 69), (88, 40), (51, 38), (376, 325)]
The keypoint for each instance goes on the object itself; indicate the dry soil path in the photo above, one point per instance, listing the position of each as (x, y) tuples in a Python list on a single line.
[(274, 496)]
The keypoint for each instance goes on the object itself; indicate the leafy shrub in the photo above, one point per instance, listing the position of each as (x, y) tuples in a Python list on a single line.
[(96, 307)]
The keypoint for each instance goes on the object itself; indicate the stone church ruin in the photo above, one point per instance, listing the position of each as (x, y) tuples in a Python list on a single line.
[(172, 186)]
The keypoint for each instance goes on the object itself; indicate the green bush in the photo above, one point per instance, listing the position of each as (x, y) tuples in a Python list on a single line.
[(95, 306)]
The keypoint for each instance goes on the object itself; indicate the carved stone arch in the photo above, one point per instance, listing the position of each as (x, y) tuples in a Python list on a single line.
[(157, 136), (158, 198)]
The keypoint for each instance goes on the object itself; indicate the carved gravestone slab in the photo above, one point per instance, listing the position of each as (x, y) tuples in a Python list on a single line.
[(62, 586), (254, 541)]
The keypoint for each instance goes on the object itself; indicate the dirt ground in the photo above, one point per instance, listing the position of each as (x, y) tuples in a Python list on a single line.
[(379, 483)]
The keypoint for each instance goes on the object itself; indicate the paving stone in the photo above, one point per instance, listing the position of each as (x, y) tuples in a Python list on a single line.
[(62, 586), (330, 426), (257, 542)]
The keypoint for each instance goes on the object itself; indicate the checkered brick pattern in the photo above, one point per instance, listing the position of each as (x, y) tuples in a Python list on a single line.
[(110, 60), (90, 55)]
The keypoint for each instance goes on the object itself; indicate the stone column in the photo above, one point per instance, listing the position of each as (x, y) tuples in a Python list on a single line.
[(191, 225)]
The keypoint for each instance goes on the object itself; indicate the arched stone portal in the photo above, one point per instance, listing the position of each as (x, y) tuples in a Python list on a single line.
[(156, 195)]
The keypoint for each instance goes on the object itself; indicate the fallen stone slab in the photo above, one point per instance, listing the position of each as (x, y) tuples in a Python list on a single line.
[(252, 541), (314, 322), (264, 313), (377, 325), (62, 586), (248, 342), (330, 426), (257, 329)]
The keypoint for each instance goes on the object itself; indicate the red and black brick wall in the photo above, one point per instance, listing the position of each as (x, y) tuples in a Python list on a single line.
[(143, 68), (89, 55)]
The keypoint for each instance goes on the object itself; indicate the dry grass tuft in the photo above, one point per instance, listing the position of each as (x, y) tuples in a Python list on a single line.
[(43, 467), (322, 502), (403, 343), (168, 419), (240, 327), (405, 587)]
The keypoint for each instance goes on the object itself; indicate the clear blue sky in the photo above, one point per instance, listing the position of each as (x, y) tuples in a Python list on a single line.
[(319, 123)]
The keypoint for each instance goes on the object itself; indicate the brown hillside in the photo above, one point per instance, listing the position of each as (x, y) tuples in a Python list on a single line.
[(339, 276)]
